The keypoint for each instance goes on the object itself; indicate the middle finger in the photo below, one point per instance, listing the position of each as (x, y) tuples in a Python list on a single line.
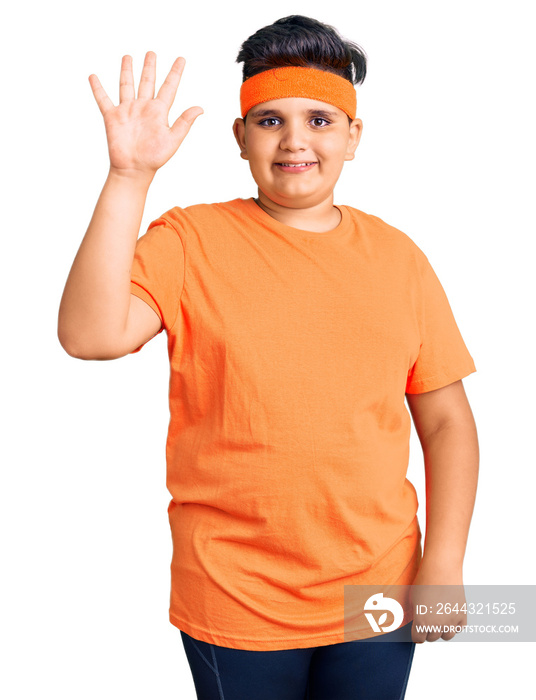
[(148, 76)]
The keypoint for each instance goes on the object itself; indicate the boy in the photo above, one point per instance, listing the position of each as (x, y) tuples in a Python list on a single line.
[(296, 329)]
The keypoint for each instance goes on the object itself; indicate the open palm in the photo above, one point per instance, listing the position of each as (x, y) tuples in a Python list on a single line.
[(139, 136)]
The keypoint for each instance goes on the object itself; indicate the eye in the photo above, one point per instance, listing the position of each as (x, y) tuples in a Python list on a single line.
[(270, 121), (319, 121)]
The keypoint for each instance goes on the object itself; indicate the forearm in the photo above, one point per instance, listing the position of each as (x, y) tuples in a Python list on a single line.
[(451, 457), (95, 303)]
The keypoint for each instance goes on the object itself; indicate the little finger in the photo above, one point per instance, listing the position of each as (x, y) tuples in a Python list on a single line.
[(103, 101)]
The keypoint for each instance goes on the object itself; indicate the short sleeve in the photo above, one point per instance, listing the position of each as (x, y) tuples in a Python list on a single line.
[(157, 274), (443, 356)]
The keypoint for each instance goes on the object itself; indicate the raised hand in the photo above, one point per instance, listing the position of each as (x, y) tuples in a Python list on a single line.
[(140, 139)]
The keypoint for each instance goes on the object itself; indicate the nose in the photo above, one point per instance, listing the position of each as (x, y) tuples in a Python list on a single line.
[(293, 137)]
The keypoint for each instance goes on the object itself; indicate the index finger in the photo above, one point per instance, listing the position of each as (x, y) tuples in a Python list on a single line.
[(169, 87)]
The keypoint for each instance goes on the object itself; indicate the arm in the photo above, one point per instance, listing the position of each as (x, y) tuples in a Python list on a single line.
[(447, 432), (446, 428), (98, 317)]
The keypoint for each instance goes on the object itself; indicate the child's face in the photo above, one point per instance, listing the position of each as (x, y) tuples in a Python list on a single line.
[(314, 136)]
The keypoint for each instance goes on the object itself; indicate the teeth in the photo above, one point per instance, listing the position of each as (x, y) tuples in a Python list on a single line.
[(295, 165)]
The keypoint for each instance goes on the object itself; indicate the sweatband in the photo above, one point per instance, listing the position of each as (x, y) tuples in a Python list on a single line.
[(298, 81)]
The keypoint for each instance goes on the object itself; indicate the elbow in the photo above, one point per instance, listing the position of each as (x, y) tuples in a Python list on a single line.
[(74, 350), (68, 337), (66, 342), (84, 354), (80, 350)]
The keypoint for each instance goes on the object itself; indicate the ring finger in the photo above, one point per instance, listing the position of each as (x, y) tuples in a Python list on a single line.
[(126, 80)]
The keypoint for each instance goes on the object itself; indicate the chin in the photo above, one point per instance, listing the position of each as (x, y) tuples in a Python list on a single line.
[(298, 201)]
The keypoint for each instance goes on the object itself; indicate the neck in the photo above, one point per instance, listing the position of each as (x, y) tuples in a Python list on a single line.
[(320, 217)]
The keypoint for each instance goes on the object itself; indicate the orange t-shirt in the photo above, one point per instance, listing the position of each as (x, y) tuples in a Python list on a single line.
[(291, 353)]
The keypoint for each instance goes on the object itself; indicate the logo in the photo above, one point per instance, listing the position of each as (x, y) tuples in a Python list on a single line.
[(378, 602)]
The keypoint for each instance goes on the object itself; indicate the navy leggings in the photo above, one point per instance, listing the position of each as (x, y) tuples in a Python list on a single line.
[(356, 670)]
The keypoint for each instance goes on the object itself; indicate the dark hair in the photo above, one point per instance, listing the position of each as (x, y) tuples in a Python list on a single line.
[(302, 41)]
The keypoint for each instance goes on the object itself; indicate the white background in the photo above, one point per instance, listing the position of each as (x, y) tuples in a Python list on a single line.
[(447, 156)]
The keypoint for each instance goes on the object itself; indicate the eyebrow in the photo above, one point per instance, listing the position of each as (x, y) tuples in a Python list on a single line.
[(310, 112)]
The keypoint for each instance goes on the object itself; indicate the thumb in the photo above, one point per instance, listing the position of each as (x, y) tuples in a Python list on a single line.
[(182, 124)]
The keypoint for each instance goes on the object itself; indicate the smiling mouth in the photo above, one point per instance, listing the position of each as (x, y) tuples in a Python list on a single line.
[(295, 165)]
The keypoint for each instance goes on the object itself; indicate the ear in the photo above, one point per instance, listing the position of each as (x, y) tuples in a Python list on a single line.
[(239, 131), (356, 129)]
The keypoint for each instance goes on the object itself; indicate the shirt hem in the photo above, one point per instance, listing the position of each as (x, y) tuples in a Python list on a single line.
[(278, 644)]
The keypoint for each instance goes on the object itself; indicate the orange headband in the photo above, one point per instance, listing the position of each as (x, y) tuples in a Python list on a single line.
[(295, 81)]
